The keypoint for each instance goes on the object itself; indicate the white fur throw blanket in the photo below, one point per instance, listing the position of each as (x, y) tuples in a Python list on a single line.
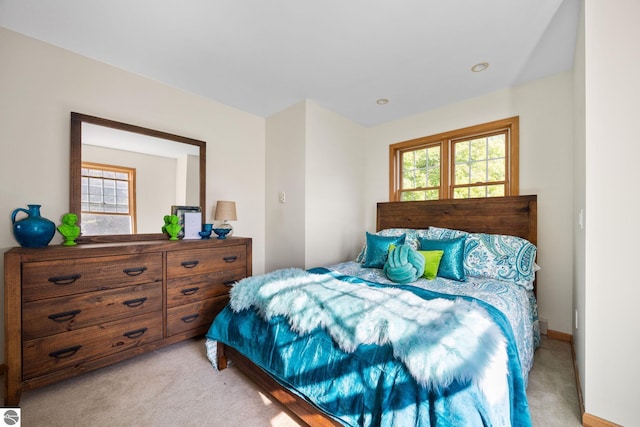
[(438, 340)]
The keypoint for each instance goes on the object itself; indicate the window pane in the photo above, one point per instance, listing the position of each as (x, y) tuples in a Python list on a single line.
[(496, 170), (96, 207), (478, 191), (432, 194), (462, 152), (421, 168), (479, 160), (463, 174), (420, 159), (479, 149), (461, 193), (496, 147), (407, 196), (95, 185), (434, 177), (97, 224), (420, 178), (495, 190), (408, 160), (122, 194), (434, 157), (478, 172)]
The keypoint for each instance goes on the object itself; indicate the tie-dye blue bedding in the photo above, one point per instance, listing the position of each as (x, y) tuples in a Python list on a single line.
[(380, 391), (517, 303)]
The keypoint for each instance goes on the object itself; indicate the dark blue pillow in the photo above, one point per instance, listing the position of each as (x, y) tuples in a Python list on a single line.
[(452, 262), (378, 249)]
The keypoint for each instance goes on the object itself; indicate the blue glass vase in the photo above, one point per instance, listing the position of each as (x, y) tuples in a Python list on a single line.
[(33, 231)]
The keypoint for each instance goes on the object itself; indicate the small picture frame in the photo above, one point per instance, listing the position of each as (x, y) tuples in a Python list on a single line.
[(180, 211)]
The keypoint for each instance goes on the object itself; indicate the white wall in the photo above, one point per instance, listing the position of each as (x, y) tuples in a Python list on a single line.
[(285, 159), (579, 181), (335, 183), (40, 86), (316, 157), (612, 99), (546, 169), (188, 181)]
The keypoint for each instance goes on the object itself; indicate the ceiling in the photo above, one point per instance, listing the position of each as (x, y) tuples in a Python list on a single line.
[(264, 56)]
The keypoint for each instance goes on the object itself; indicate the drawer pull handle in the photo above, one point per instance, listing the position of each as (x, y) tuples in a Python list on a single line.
[(189, 291), (65, 352), (64, 280), (230, 283), (230, 258), (189, 264), (134, 271), (64, 316), (136, 333), (135, 302), (190, 318)]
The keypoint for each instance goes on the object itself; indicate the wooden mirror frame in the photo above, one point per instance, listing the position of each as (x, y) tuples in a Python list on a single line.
[(75, 173)]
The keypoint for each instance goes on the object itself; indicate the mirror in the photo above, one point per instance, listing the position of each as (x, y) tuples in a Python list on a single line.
[(166, 170)]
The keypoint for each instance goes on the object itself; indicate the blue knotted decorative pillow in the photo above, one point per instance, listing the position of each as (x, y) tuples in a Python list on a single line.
[(404, 264)]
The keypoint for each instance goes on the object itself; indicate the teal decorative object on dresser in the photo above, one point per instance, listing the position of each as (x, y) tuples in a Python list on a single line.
[(34, 231)]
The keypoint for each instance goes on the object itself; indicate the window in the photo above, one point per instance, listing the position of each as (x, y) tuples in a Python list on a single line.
[(107, 199), (478, 161)]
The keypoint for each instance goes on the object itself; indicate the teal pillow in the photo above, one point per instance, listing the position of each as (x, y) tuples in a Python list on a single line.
[(404, 264), (452, 262), (378, 249)]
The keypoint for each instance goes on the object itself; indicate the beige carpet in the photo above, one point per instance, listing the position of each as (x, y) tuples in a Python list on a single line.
[(177, 386)]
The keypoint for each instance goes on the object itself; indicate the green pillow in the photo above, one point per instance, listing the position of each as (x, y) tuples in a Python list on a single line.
[(431, 263)]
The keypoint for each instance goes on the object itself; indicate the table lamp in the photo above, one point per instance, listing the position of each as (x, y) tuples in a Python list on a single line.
[(225, 211)]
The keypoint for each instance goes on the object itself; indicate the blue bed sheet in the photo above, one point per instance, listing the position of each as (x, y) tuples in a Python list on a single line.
[(369, 387)]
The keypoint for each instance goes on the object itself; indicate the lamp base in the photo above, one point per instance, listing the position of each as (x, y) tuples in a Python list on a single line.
[(223, 230)]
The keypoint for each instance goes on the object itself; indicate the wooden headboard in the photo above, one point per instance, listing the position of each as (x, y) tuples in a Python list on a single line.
[(514, 215)]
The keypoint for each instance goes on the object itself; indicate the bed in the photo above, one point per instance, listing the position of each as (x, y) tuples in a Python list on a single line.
[(336, 345)]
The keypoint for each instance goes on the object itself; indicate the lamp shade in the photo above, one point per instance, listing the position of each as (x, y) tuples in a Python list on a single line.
[(225, 211)]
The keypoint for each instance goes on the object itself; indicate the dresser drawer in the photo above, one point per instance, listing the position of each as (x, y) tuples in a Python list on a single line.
[(44, 355), (199, 261), (55, 315), (189, 289), (195, 315), (48, 279)]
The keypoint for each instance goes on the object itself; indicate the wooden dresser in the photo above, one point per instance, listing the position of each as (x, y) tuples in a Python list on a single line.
[(69, 310)]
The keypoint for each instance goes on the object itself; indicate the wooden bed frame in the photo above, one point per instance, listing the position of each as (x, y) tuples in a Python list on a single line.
[(514, 215)]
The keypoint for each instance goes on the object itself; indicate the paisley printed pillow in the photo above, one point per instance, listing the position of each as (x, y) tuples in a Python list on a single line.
[(495, 256), (501, 257)]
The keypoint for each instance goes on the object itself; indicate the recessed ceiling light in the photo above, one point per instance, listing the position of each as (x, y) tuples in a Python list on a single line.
[(480, 66), (382, 101)]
